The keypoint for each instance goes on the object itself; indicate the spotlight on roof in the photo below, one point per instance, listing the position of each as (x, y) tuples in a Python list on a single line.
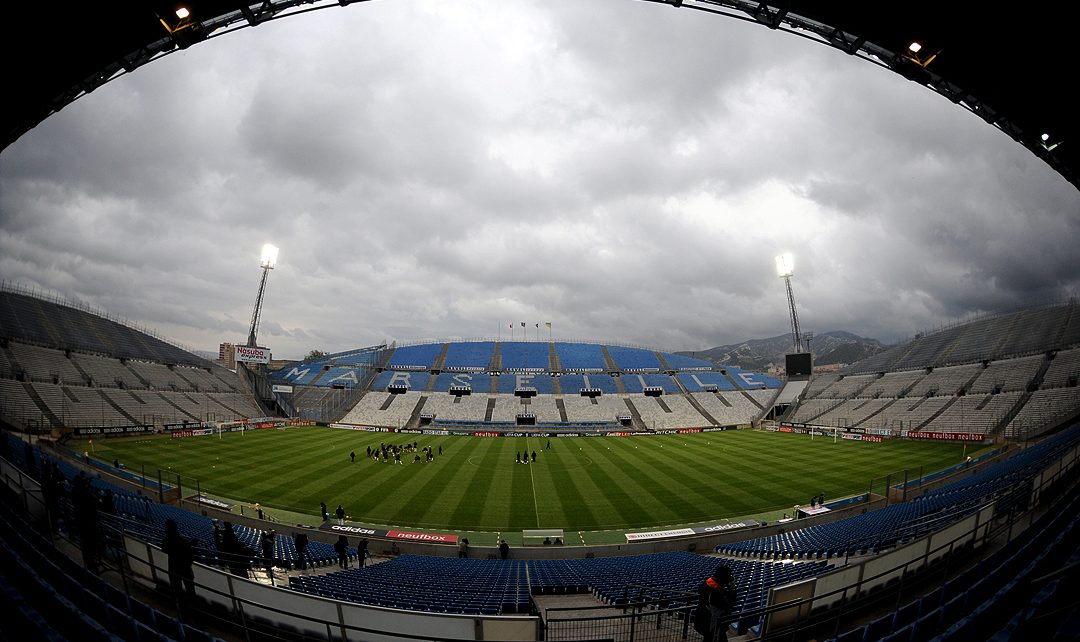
[(269, 256), (912, 54), (785, 265), (183, 13), (1047, 145)]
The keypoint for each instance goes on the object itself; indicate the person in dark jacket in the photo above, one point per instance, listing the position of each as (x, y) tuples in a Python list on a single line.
[(717, 600), (301, 541), (181, 557), (342, 548)]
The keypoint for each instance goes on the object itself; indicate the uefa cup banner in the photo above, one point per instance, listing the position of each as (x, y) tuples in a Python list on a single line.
[(252, 355)]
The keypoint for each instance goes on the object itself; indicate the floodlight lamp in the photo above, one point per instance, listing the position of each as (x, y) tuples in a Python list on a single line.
[(785, 265), (1045, 137), (269, 256), (183, 13), (915, 47)]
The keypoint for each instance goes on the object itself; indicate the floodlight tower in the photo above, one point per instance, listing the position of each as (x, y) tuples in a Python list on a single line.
[(269, 259), (785, 268)]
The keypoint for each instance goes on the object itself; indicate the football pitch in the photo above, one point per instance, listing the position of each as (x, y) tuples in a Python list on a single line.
[(578, 484)]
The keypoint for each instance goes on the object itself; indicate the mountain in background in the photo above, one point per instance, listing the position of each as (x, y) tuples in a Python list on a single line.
[(836, 347)]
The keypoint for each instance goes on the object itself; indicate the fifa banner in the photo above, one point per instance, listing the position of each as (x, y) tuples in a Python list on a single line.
[(113, 431), (947, 436), (674, 532), (364, 531), (252, 355)]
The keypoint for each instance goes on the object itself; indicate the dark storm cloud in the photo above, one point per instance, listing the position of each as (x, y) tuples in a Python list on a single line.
[(624, 170)]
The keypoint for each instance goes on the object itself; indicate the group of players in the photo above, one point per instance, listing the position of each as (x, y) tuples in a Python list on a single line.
[(392, 453)]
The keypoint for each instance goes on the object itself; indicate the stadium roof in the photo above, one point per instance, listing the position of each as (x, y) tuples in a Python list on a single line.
[(1010, 67)]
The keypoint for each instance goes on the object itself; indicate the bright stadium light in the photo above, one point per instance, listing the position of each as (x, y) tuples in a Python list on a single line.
[(269, 260), (269, 256), (785, 268), (182, 13), (785, 265)]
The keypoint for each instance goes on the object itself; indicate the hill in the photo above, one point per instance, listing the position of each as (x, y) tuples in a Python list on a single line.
[(836, 347)]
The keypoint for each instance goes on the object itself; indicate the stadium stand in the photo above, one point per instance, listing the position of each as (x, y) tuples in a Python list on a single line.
[(696, 382), (580, 357), (471, 355), (572, 384), (634, 359), (524, 356), (479, 382), (415, 381), (383, 409), (509, 382), (1005, 336), (682, 362), (1064, 370), (417, 357), (636, 383), (667, 413)]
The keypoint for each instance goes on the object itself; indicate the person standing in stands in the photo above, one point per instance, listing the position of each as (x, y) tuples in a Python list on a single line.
[(340, 512), (717, 598), (362, 552), (341, 546), (181, 557), (301, 542), (268, 551)]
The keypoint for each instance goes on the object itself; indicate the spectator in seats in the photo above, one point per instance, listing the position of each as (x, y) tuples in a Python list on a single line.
[(267, 542), (362, 552), (181, 557), (504, 550), (342, 548), (108, 507), (716, 600), (85, 504), (235, 555), (340, 512), (301, 542), (463, 547)]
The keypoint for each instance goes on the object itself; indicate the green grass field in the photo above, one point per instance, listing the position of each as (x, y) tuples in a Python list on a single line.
[(581, 484)]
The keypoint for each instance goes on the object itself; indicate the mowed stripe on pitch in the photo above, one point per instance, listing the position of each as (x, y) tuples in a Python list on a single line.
[(579, 484)]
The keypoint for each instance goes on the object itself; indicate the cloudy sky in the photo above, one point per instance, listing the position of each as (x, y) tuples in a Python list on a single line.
[(623, 170)]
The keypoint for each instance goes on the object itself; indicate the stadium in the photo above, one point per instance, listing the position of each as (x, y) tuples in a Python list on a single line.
[(528, 487)]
